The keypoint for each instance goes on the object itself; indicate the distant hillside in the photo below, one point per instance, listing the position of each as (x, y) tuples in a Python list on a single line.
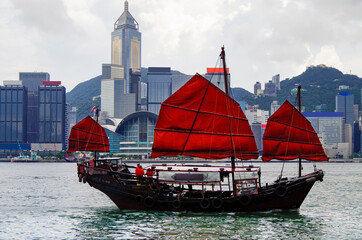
[(82, 96), (240, 93), (320, 86)]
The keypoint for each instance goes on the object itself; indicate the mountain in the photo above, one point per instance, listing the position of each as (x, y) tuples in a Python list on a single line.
[(320, 84), (84, 96)]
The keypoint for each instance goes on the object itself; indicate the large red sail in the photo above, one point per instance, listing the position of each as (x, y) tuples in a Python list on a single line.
[(289, 135), (88, 135), (200, 120)]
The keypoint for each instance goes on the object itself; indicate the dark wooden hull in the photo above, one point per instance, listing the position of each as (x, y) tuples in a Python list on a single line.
[(128, 195)]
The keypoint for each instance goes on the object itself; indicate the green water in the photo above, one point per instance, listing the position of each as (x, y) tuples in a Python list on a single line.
[(46, 201)]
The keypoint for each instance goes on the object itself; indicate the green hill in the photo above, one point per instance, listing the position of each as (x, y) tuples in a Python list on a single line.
[(319, 86), (82, 96)]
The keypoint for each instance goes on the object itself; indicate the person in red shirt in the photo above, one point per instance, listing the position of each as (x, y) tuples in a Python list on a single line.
[(139, 173)]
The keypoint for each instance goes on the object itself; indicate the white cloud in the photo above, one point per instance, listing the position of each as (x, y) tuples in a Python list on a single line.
[(71, 39)]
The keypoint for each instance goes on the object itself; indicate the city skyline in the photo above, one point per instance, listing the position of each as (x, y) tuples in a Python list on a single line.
[(70, 40)]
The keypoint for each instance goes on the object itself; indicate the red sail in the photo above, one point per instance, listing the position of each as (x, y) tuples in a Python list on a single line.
[(88, 135), (200, 120), (289, 135)]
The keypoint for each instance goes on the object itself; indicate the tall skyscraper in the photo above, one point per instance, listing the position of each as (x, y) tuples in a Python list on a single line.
[(344, 103), (126, 46), (120, 86)]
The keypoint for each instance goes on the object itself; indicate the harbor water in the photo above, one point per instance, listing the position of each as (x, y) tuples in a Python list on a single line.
[(46, 201)]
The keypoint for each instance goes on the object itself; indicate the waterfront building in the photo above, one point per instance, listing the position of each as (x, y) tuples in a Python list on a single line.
[(126, 46), (52, 118), (256, 115), (348, 137), (257, 86), (13, 115), (330, 124), (30, 119), (158, 87), (357, 137)]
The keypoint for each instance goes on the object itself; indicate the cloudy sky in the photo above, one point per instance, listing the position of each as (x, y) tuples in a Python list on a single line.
[(71, 39)]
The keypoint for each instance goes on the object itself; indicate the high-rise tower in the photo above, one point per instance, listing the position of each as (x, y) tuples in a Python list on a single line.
[(126, 48)]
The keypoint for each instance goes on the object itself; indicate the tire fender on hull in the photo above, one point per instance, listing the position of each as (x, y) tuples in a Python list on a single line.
[(149, 201), (205, 203), (217, 203), (176, 204), (245, 199), (281, 191)]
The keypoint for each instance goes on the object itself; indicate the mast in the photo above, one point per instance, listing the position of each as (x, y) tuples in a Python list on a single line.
[(95, 152), (300, 110), (226, 82)]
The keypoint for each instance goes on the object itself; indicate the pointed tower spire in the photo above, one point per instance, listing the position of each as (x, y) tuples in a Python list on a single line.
[(126, 6), (126, 20)]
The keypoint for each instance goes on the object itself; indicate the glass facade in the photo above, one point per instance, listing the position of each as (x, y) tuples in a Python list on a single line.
[(126, 45), (344, 103), (52, 114), (330, 124), (31, 80), (158, 88), (13, 104), (137, 133)]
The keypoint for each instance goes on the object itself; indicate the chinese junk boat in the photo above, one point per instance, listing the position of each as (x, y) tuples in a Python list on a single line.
[(200, 120)]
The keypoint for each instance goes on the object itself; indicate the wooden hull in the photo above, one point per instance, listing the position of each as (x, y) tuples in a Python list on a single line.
[(127, 194)]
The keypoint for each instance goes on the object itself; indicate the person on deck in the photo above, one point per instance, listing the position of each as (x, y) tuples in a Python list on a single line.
[(139, 173), (150, 172)]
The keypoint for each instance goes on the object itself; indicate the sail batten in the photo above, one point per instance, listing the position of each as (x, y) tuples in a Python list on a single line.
[(88, 135), (200, 120), (289, 135)]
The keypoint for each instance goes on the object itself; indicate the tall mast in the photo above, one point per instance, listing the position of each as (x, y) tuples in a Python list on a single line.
[(226, 82), (300, 110), (97, 111)]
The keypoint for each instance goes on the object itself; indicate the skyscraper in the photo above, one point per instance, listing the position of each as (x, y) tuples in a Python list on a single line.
[(126, 46), (344, 103), (120, 86)]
